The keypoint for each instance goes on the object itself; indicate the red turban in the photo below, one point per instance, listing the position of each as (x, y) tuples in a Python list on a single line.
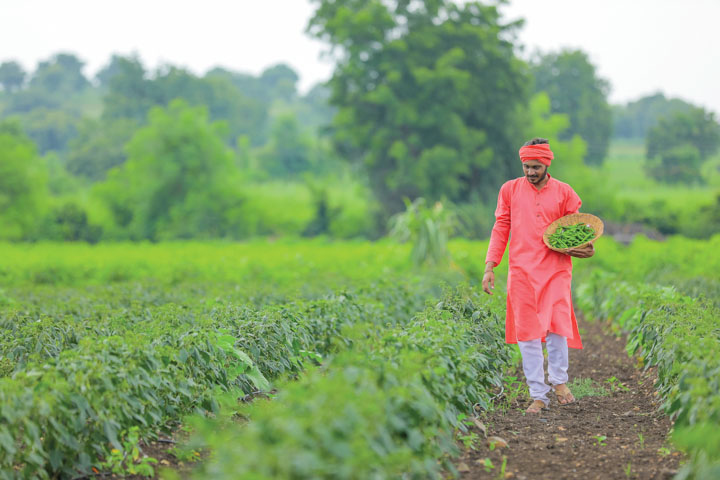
[(540, 152)]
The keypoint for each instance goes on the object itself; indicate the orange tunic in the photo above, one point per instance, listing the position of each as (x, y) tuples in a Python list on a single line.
[(539, 279)]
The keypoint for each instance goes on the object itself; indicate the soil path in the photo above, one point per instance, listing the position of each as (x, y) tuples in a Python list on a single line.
[(618, 435)]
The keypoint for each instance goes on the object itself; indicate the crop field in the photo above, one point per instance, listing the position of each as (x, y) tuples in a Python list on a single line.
[(304, 359), (261, 254), (105, 346)]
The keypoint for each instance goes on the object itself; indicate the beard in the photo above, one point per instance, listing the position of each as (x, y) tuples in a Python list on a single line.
[(536, 178)]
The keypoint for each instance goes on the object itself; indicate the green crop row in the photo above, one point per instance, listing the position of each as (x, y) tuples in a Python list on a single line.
[(387, 407), (689, 265), (41, 328), (75, 386), (681, 337)]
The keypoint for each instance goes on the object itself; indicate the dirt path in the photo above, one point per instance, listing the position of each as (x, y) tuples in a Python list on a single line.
[(614, 432)]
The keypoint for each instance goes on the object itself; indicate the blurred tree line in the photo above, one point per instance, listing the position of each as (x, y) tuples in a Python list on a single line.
[(428, 100)]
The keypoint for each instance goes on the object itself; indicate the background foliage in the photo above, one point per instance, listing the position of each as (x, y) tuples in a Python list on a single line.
[(428, 99)]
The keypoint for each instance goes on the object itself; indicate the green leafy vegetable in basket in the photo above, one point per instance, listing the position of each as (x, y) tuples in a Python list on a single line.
[(571, 235)]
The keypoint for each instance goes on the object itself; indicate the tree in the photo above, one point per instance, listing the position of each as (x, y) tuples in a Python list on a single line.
[(428, 94), (99, 146), (54, 85), (114, 67), (62, 74), (635, 119), (249, 85), (280, 81), (179, 178), (315, 110), (69, 222), (50, 129), (678, 145), (12, 76), (574, 88), (244, 115), (276, 82), (289, 150), (23, 184), (130, 93)]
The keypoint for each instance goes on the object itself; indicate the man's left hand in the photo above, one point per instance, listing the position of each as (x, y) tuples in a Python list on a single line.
[(585, 252)]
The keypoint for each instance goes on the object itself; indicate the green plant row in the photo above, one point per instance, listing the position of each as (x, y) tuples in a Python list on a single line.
[(681, 337), (689, 265), (64, 409), (42, 328), (387, 407)]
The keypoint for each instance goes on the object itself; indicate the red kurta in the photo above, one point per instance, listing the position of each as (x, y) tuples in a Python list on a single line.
[(539, 279)]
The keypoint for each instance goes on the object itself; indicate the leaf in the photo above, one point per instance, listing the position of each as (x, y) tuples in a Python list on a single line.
[(111, 431), (480, 425), (6, 441), (258, 379)]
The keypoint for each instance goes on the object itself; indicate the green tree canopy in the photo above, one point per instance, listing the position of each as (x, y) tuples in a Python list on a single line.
[(678, 145), (428, 94), (275, 82), (574, 88), (131, 93), (178, 181), (314, 109), (50, 105), (99, 146), (12, 76), (23, 183), (61, 74), (115, 66), (28, 99), (280, 81), (635, 119), (50, 129), (289, 150)]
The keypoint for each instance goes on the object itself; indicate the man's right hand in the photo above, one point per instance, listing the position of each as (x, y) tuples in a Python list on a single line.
[(488, 282)]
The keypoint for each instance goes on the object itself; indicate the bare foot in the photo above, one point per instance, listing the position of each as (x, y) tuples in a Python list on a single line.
[(564, 396), (535, 407)]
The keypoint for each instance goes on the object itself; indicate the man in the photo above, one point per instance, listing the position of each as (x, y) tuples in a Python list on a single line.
[(539, 304)]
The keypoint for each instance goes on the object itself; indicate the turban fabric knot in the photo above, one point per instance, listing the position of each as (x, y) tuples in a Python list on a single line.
[(540, 152)]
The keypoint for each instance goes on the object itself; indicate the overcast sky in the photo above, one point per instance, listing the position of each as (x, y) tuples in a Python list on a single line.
[(640, 46)]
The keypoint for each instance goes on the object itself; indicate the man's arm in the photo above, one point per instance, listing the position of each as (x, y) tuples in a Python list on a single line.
[(585, 252), (488, 281), (498, 238)]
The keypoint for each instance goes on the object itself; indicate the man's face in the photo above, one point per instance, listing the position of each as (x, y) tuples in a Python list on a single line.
[(534, 171)]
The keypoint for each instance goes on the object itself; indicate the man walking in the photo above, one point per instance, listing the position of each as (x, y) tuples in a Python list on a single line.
[(539, 303)]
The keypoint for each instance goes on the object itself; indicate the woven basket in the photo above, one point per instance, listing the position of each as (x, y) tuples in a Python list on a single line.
[(573, 219)]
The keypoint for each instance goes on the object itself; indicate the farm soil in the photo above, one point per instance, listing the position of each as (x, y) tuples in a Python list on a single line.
[(565, 441)]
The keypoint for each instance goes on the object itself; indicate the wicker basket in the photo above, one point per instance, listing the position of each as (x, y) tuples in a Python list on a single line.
[(572, 219)]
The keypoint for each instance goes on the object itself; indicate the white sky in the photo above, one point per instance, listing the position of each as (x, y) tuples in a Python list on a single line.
[(641, 46)]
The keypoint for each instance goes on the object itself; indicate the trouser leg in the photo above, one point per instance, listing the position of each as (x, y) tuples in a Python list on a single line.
[(532, 361), (557, 358)]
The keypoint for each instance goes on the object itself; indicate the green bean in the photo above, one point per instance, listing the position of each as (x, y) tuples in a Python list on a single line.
[(571, 235)]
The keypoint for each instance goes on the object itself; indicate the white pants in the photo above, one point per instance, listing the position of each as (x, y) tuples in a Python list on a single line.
[(532, 360)]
